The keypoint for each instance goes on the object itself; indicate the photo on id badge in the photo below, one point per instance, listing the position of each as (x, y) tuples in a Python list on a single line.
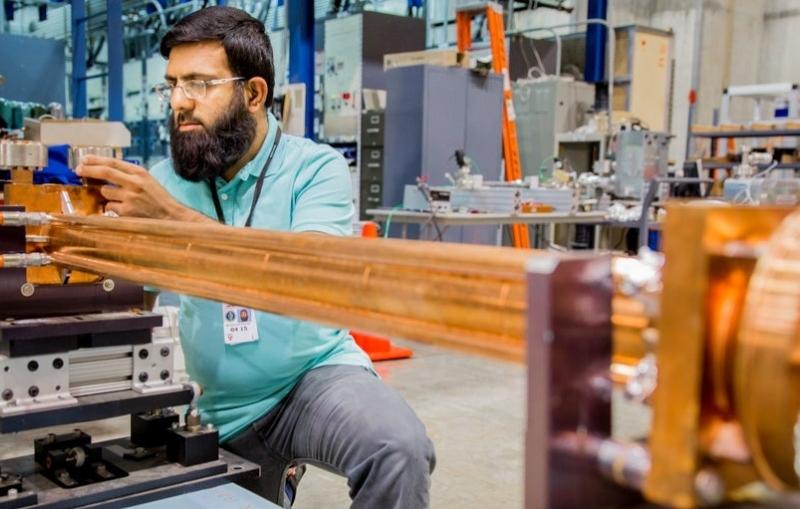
[(239, 324)]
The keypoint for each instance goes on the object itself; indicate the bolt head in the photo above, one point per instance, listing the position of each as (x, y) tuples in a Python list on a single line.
[(165, 374), (58, 363), (164, 352), (108, 285), (8, 395), (143, 353), (33, 391), (143, 376), (27, 290)]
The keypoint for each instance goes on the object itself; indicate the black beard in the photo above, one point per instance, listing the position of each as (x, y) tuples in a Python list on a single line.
[(206, 154)]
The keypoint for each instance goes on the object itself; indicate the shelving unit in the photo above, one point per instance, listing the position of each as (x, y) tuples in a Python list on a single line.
[(714, 136), (746, 134)]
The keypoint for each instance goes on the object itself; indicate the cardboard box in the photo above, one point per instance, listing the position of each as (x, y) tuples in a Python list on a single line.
[(441, 57)]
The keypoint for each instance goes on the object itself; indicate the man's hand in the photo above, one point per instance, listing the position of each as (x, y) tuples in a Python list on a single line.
[(133, 191)]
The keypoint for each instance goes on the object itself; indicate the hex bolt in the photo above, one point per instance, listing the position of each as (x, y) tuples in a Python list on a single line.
[(165, 374), (8, 394), (165, 352), (33, 391), (143, 376), (58, 363), (143, 353)]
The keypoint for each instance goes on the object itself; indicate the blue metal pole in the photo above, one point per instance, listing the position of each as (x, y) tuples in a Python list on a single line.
[(115, 59), (78, 59), (301, 53), (594, 71)]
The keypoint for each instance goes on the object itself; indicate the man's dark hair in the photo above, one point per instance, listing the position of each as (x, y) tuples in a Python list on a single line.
[(244, 38)]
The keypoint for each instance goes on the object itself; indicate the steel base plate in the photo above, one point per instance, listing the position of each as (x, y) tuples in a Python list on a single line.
[(151, 478)]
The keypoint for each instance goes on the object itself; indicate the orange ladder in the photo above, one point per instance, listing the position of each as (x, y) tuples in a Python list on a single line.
[(497, 35)]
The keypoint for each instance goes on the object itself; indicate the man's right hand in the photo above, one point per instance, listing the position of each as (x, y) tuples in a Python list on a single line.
[(134, 192)]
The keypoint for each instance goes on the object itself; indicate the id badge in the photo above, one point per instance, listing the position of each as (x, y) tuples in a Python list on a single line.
[(238, 325)]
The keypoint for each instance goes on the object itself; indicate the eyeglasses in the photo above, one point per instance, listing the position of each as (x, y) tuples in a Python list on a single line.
[(192, 89)]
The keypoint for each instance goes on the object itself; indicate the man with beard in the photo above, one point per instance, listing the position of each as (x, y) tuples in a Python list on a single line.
[(284, 392)]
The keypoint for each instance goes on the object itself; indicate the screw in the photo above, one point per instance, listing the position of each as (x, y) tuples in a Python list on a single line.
[(33, 391), (165, 352), (27, 290), (143, 376), (8, 394), (165, 374), (33, 366), (143, 354), (709, 487), (108, 285), (58, 363)]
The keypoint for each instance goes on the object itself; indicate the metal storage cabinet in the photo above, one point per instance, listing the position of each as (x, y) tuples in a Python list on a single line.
[(431, 112)]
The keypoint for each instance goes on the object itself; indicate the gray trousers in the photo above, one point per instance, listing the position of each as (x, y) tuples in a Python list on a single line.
[(346, 420)]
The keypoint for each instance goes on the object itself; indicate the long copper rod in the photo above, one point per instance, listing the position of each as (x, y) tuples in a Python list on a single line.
[(466, 297)]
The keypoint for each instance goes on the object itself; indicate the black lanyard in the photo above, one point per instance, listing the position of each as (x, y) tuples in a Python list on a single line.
[(212, 186)]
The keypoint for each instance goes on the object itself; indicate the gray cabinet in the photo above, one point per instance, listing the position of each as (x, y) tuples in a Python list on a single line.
[(431, 112)]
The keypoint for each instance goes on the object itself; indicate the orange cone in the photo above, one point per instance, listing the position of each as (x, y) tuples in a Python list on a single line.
[(369, 230), (380, 348)]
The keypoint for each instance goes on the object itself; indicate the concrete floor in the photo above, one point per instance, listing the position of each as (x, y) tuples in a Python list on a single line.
[(474, 410), (472, 407)]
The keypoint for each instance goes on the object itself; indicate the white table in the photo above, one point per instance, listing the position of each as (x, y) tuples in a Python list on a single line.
[(447, 219)]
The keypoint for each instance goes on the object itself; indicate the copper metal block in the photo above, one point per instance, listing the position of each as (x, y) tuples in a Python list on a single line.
[(697, 339), (86, 200)]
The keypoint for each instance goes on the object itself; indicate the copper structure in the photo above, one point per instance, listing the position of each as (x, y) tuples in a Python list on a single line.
[(461, 296), (724, 331)]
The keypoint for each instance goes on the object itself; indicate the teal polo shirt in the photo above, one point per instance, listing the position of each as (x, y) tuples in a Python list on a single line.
[(306, 189)]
